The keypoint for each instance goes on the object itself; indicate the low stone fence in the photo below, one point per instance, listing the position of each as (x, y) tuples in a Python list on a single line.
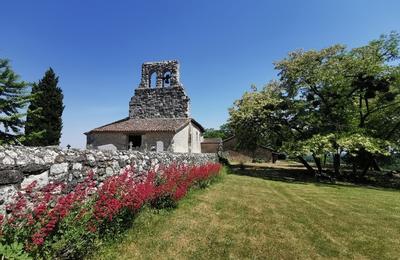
[(20, 166)]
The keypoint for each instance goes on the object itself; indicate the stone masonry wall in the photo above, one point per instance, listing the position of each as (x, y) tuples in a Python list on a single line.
[(159, 103), (119, 140), (20, 166)]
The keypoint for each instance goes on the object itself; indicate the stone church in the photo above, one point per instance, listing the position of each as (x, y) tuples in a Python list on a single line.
[(159, 117)]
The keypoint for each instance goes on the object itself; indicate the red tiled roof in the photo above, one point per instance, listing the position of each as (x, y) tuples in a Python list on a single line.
[(137, 125)]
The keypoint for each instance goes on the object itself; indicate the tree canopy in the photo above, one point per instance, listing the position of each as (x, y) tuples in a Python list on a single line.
[(45, 111), (223, 132), (14, 96), (335, 101)]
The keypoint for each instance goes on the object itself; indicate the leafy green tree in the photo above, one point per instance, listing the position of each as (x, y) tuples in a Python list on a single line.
[(342, 91), (333, 101), (258, 118), (213, 133), (14, 97), (223, 132), (49, 104), (227, 130), (375, 90)]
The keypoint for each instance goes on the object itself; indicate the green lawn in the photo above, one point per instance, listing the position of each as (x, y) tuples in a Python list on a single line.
[(243, 217)]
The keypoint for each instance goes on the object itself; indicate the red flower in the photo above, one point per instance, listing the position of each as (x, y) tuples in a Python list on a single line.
[(39, 212)]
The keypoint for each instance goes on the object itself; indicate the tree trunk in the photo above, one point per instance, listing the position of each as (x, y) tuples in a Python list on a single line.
[(375, 165), (274, 158), (305, 163), (361, 113), (336, 164), (366, 168), (318, 163), (354, 169)]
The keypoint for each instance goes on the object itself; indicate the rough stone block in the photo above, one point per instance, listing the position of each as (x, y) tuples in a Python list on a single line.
[(109, 171), (91, 160), (12, 154), (33, 168), (41, 180), (10, 177), (60, 158), (59, 168), (8, 161), (77, 166), (6, 195)]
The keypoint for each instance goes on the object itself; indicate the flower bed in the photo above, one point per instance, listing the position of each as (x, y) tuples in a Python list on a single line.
[(45, 223)]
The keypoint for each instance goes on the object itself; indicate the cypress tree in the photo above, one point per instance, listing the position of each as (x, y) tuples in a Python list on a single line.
[(45, 112), (14, 97)]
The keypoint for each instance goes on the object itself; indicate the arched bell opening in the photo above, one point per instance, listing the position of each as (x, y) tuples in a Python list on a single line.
[(153, 80), (167, 79)]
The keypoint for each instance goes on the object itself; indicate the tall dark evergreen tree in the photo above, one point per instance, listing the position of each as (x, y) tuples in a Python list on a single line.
[(14, 97), (45, 112)]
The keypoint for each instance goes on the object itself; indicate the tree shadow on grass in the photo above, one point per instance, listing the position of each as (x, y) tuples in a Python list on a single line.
[(269, 173), (292, 174)]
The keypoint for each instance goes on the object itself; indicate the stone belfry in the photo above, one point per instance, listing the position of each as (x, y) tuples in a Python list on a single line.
[(167, 99)]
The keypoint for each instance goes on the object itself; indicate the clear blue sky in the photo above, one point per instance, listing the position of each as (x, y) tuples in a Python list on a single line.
[(97, 47)]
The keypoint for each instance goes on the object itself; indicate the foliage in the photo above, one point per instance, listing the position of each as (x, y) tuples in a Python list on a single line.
[(14, 97), (329, 102), (392, 162), (51, 224), (223, 132), (357, 142), (255, 112), (45, 112), (13, 251)]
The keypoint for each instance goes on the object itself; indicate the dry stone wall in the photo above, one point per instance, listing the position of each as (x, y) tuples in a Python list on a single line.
[(20, 166)]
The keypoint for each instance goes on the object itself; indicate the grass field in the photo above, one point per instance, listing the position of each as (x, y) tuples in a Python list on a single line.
[(244, 217)]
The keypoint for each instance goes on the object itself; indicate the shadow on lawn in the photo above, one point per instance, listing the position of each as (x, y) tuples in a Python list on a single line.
[(294, 174), (274, 174)]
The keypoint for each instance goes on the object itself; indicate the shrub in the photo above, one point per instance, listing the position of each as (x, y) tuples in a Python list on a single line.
[(50, 224), (13, 251)]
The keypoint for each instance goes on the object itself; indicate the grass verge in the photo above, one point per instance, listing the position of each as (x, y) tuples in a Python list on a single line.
[(243, 217)]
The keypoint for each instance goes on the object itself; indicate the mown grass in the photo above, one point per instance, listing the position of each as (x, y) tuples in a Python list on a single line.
[(243, 217)]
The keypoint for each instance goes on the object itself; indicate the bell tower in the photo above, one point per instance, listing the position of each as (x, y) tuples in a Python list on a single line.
[(167, 99), (167, 74)]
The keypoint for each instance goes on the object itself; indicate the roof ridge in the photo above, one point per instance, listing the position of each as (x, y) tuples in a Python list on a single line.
[(147, 125), (118, 121), (150, 118)]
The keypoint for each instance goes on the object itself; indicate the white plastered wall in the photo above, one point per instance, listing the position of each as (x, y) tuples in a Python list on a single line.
[(181, 140), (196, 139)]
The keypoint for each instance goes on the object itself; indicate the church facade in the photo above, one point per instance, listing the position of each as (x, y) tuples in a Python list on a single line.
[(159, 117)]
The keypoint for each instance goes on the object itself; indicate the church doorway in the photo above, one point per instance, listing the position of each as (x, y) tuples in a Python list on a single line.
[(135, 141)]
